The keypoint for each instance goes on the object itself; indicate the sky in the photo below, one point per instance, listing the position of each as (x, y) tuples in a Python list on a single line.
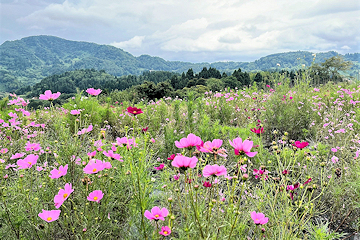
[(191, 30)]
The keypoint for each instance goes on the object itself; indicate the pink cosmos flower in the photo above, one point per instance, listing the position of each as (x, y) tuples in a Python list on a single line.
[(93, 91), (260, 173), (28, 161), (214, 170), (259, 218), (85, 130), (241, 147), (49, 95), (156, 214), (17, 155), (91, 154), (211, 147), (129, 142), (49, 216), (59, 173), (62, 195), (300, 145), (176, 177), (165, 231), (160, 167), (95, 196), (32, 146), (94, 167), (4, 150), (191, 141), (75, 112), (335, 159), (184, 162), (113, 155)]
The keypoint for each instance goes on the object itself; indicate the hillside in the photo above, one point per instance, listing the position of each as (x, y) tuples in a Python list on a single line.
[(27, 61)]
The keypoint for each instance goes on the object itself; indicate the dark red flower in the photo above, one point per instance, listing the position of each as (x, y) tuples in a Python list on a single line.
[(300, 145), (309, 180), (144, 129), (134, 110), (207, 184), (285, 172)]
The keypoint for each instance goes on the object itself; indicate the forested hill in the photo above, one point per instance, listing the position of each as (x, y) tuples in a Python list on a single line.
[(31, 59)]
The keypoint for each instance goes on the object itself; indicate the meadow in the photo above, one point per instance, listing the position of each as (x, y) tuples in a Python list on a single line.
[(276, 162)]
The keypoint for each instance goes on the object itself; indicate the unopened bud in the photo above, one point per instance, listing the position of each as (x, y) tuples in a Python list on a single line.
[(170, 199)]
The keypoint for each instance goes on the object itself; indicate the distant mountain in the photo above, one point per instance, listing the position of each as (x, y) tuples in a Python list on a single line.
[(27, 61)]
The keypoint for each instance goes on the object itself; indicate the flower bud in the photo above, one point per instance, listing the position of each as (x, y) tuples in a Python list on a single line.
[(170, 199), (196, 187), (322, 164), (245, 177)]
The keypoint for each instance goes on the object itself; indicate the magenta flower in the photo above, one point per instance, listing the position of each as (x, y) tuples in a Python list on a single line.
[(214, 170), (211, 147), (28, 161), (134, 110), (160, 167), (259, 218), (171, 157), (93, 91), (191, 141), (257, 131), (156, 214), (165, 231), (59, 173), (241, 147), (85, 130), (62, 195), (94, 167), (32, 146), (300, 145), (95, 196), (48, 95), (49, 216), (184, 162)]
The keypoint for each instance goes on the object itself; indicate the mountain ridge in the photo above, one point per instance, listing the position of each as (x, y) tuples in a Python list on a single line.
[(30, 59)]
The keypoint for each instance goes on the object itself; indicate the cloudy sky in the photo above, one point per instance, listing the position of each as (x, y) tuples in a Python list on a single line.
[(191, 30)]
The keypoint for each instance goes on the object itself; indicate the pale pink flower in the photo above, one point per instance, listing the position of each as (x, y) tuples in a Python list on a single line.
[(17, 155), (28, 161), (129, 142), (113, 155), (49, 95), (75, 112), (184, 162), (241, 147), (4, 150), (191, 141), (214, 170), (62, 195), (94, 167), (49, 216), (93, 91), (334, 159), (95, 196), (259, 218), (32, 146), (59, 173)]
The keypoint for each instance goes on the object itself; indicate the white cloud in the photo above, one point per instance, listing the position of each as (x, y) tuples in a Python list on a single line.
[(209, 29)]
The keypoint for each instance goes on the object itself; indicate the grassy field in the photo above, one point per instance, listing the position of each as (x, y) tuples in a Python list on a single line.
[(275, 163)]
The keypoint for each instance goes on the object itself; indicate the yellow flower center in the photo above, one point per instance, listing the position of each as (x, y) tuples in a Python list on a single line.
[(49, 218), (156, 215), (94, 170), (65, 195), (165, 232), (95, 198), (134, 112), (30, 163)]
